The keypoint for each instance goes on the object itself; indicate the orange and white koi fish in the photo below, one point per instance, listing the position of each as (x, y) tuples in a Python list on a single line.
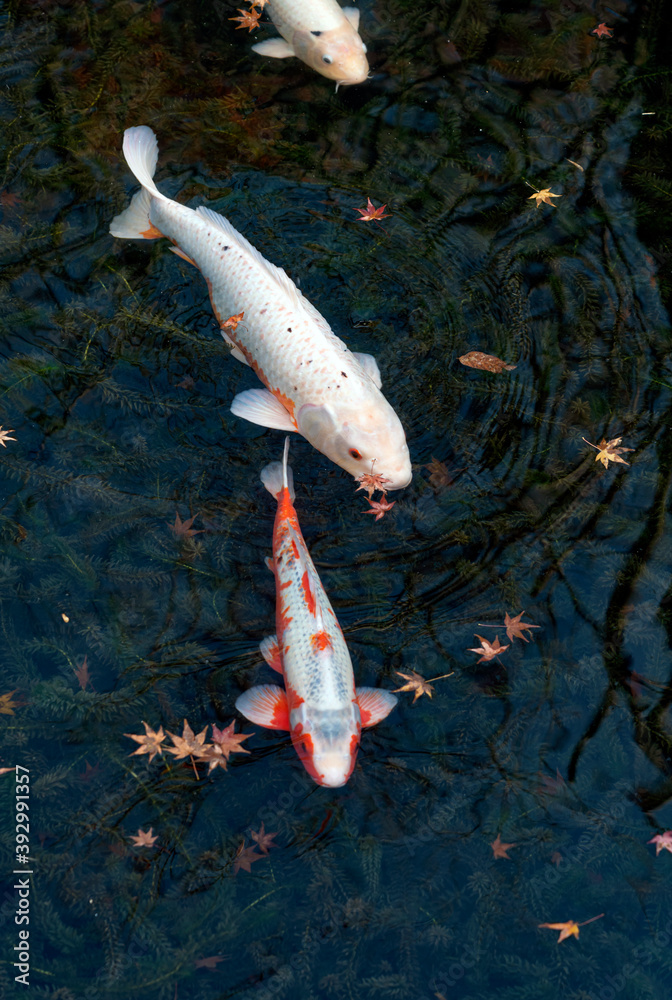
[(314, 384), (322, 35), (319, 705)]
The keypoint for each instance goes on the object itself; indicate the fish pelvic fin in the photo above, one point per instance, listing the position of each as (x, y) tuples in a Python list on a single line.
[(375, 704), (265, 705), (277, 476)]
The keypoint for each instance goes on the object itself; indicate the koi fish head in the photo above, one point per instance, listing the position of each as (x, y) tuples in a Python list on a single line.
[(357, 438), (327, 742), (338, 54)]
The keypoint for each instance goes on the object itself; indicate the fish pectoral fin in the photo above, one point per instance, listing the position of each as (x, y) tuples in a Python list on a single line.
[(277, 48), (270, 564), (184, 256), (352, 14), (270, 651), (370, 366), (260, 406), (375, 704), (265, 705)]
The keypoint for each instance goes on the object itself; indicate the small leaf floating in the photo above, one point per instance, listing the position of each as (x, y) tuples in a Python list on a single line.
[(486, 362)]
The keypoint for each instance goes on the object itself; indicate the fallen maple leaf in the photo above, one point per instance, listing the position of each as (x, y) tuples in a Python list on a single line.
[(211, 961), (418, 684), (232, 322), (544, 196), (569, 927), (245, 857), (486, 362), (228, 740), (440, 478), (663, 842), (183, 529), (144, 838), (187, 745), (379, 507), (489, 650), (150, 743), (257, 3), (82, 674), (263, 839), (7, 703), (371, 482), (371, 213), (248, 19), (4, 436), (499, 848), (7, 770), (607, 451), (602, 31), (515, 627)]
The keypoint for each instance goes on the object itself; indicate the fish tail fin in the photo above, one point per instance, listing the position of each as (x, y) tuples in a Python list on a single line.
[(278, 475), (141, 151)]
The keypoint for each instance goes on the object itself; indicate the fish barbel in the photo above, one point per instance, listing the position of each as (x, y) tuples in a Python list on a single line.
[(319, 704), (314, 384), (321, 34)]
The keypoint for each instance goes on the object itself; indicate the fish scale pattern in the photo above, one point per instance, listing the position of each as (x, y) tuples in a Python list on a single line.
[(324, 677), (281, 332)]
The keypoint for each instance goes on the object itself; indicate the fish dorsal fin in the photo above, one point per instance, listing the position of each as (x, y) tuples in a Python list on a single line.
[(280, 277), (352, 14), (265, 705), (374, 704)]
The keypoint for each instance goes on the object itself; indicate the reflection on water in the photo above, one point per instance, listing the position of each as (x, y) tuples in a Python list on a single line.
[(118, 387)]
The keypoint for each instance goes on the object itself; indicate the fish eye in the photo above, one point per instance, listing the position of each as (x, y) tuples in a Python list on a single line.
[(355, 453), (327, 59), (316, 33)]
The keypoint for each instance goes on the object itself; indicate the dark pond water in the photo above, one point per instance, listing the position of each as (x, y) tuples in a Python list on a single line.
[(117, 386)]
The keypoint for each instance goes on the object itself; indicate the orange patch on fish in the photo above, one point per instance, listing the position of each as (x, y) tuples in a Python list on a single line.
[(307, 592), (151, 233), (286, 402), (320, 641)]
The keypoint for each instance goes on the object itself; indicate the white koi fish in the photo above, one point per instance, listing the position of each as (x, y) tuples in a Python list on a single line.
[(322, 35), (315, 385), (319, 705)]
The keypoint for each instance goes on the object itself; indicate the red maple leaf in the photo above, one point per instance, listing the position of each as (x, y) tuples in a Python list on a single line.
[(602, 31), (82, 674), (371, 213), (263, 839), (379, 507), (249, 18), (183, 529), (245, 857), (232, 322)]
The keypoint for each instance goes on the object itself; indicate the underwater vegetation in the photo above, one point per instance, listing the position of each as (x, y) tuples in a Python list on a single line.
[(134, 526)]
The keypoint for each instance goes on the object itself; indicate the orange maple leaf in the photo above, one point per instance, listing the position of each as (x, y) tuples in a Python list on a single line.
[(607, 451), (8, 704), (663, 842), (248, 19), (144, 838), (515, 627), (232, 322), (544, 196), (371, 482), (183, 529), (486, 362), (602, 31), (4, 436), (499, 848), (228, 740), (569, 927), (371, 213), (489, 650), (418, 684), (150, 743)]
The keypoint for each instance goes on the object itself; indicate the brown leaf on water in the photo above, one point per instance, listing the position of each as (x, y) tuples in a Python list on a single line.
[(264, 840), (379, 507), (544, 196), (371, 213), (499, 848), (224, 743), (245, 857), (488, 649), (248, 19), (607, 451), (371, 482), (150, 743), (515, 627), (211, 962), (187, 745), (418, 684), (486, 362), (82, 674)]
